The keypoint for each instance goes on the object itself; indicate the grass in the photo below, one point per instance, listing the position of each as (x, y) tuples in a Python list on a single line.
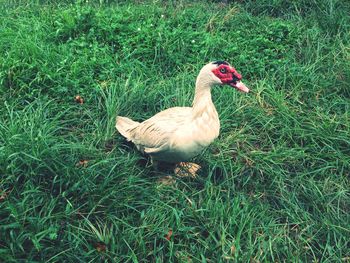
[(274, 186)]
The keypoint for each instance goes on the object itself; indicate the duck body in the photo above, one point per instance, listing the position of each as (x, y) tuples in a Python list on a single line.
[(180, 133), (175, 134)]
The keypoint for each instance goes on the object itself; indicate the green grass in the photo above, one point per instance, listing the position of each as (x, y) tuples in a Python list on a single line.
[(273, 187)]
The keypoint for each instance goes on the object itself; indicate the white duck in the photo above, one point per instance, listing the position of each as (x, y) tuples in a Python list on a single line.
[(180, 133)]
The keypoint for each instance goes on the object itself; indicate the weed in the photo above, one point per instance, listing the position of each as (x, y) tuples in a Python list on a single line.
[(273, 187)]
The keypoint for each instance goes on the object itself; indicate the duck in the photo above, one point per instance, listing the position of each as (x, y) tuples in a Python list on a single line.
[(178, 134)]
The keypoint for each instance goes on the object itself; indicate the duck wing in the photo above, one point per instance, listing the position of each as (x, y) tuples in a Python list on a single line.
[(155, 134)]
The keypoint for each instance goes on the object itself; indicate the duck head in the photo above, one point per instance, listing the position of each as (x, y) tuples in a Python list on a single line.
[(222, 73)]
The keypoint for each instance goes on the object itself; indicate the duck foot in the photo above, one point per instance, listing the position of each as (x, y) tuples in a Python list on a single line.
[(166, 180), (185, 169)]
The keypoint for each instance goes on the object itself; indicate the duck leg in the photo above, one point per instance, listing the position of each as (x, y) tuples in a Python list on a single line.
[(154, 164), (162, 180), (186, 169)]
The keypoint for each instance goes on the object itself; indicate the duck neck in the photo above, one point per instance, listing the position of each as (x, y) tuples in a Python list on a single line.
[(202, 99)]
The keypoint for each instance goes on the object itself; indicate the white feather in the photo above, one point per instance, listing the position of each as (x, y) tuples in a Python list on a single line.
[(179, 133)]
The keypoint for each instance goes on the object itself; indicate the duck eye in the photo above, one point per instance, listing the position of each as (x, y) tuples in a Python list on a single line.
[(223, 70)]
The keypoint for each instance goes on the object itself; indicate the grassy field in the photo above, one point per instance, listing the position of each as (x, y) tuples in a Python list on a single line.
[(274, 187)]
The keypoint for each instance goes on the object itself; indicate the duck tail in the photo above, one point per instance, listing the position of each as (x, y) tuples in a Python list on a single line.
[(125, 125)]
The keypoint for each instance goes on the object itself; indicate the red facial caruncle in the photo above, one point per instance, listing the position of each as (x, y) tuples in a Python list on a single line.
[(228, 75)]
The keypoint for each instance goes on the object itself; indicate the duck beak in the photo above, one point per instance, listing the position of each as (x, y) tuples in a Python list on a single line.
[(240, 86)]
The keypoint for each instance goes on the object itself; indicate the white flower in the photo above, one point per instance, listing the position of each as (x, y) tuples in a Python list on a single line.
[(139, 29), (193, 41), (162, 16), (151, 24)]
